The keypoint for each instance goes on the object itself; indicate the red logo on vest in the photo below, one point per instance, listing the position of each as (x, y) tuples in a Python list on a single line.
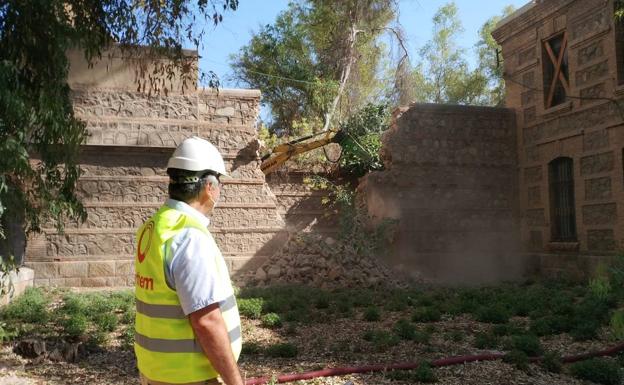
[(141, 252)]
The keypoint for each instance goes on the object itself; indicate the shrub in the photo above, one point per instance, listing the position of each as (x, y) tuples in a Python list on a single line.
[(551, 362), (506, 329), (97, 338), (106, 322), (517, 358), (426, 314), (322, 302), (75, 325), (598, 370), (495, 313), (127, 337), (528, 344), (283, 350), (30, 307), (423, 373), (404, 329), (381, 339), (585, 329), (128, 316), (271, 320), (372, 314), (486, 341), (251, 348), (250, 307)]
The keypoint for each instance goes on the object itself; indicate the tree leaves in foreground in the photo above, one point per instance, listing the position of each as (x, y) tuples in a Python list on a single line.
[(40, 137)]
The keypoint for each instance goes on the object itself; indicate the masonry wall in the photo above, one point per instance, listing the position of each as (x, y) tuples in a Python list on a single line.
[(124, 182), (585, 128), (450, 182)]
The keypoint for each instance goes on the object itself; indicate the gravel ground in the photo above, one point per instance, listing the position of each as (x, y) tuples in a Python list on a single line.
[(321, 345)]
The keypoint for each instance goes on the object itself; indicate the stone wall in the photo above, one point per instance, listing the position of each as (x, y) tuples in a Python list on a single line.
[(124, 182), (587, 128), (450, 181)]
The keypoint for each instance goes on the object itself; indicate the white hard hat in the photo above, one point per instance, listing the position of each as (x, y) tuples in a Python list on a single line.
[(197, 154)]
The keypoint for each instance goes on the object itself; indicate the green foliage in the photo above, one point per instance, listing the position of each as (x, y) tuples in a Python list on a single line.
[(552, 362), (486, 341), (251, 348), (599, 370), (39, 134), (127, 337), (75, 325), (282, 350), (444, 76), (361, 140), (30, 307), (381, 339), (528, 344), (405, 330), (372, 314), (495, 313), (517, 358), (617, 324), (426, 314), (423, 373), (303, 52), (250, 307), (106, 322), (271, 320)]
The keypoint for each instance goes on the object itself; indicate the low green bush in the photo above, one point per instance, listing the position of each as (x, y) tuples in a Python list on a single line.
[(372, 314), (381, 339), (496, 314), (517, 358), (271, 320), (423, 373), (250, 307), (30, 307), (528, 344), (75, 325), (251, 348), (426, 314), (552, 362), (405, 329), (282, 350), (599, 370), (106, 322), (486, 341)]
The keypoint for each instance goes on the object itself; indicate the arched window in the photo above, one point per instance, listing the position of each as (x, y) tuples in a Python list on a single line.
[(562, 213)]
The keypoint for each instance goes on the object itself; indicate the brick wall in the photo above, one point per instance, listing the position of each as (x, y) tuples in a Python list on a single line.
[(124, 182), (450, 181), (585, 128)]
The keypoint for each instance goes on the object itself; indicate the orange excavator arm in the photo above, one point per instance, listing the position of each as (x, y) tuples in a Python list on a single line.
[(281, 153)]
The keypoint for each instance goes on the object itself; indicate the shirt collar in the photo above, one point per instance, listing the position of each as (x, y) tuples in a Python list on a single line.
[(186, 209)]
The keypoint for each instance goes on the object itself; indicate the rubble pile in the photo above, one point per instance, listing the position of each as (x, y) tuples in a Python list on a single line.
[(312, 260)]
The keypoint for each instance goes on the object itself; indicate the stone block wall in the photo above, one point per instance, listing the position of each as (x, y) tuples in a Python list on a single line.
[(450, 180), (587, 127), (124, 182), (300, 206)]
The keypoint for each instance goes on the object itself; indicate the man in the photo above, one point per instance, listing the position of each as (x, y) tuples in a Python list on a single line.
[(187, 323)]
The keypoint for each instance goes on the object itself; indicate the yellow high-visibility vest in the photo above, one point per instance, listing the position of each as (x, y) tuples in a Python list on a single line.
[(165, 344)]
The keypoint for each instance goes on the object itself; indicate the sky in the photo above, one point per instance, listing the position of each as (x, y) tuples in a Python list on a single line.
[(415, 16)]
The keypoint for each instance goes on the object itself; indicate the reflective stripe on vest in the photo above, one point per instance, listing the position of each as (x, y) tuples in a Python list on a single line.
[(165, 343)]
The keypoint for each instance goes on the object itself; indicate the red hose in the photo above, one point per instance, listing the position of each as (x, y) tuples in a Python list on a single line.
[(449, 361)]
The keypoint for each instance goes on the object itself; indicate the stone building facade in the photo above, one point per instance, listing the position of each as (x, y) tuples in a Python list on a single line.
[(564, 73), (131, 136), (450, 181)]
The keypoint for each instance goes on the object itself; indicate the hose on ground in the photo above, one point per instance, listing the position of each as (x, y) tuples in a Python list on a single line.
[(449, 361)]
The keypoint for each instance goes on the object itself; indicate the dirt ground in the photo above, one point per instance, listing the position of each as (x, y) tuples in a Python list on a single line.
[(336, 343)]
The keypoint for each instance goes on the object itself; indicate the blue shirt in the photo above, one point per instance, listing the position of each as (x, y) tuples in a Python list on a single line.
[(189, 265)]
